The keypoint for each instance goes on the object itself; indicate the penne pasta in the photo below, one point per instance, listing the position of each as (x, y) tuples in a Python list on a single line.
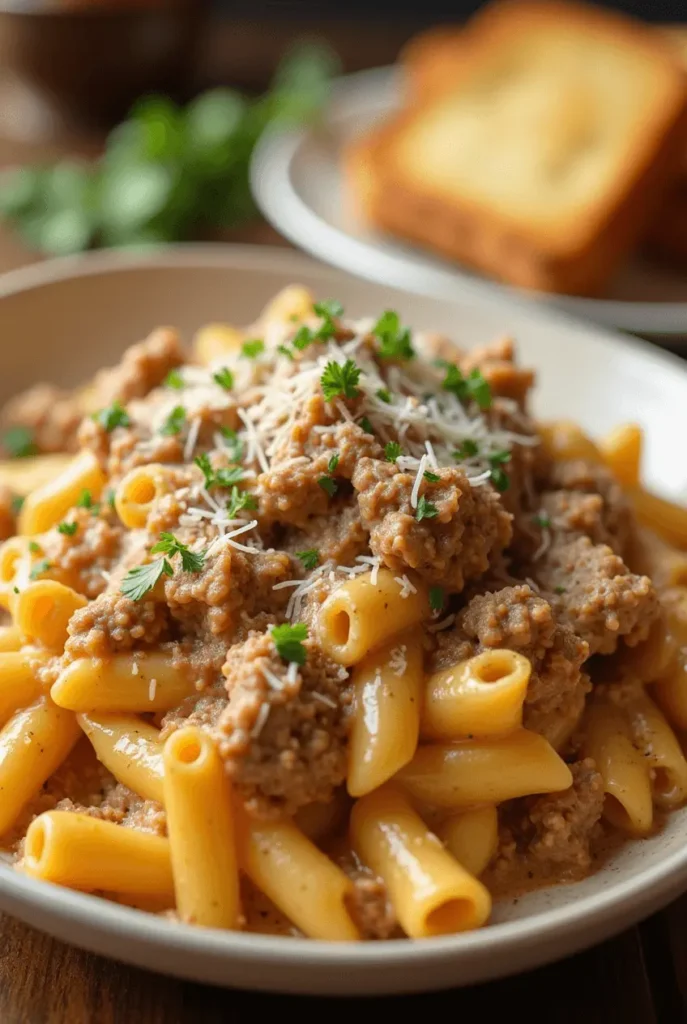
[(650, 555), (26, 475), (485, 771), (43, 609), (10, 639), (129, 748), (48, 504), (213, 341), (137, 492), (565, 439), (200, 823), (431, 892), (124, 682), (291, 304), (658, 743), (621, 450), (471, 837), (18, 684), (387, 687), (668, 519), (361, 615), (482, 696), (82, 852)]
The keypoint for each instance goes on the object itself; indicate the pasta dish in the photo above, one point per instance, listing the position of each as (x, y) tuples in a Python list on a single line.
[(315, 631)]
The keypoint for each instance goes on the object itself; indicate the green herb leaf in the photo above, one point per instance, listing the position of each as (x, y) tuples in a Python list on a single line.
[(253, 349), (333, 463), (309, 558), (174, 380), (34, 548), (392, 450), (284, 351), (500, 479), (366, 425), (395, 340), (114, 415), (191, 561), (19, 443), (228, 476), (140, 580), (39, 568), (174, 423), (542, 519), (328, 485), (425, 510), (17, 503), (384, 395), (339, 379), (302, 338), (479, 389), (467, 449), (85, 500), (205, 466), (225, 378), (68, 529), (328, 309), (559, 590), (499, 458), (433, 478), (436, 598), (288, 641), (240, 500), (235, 446)]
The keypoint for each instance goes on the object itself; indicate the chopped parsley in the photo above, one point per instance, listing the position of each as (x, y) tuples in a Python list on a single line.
[(205, 466), (191, 561), (39, 568), (225, 378), (110, 497), (85, 500), (467, 449), (473, 387), (395, 341), (436, 598), (17, 503), (174, 380), (140, 580), (288, 641), (542, 519), (68, 529), (333, 463), (433, 478), (240, 500), (253, 349), (284, 351), (559, 590), (425, 510), (310, 558), (392, 450), (19, 442), (302, 338), (34, 548), (228, 476), (366, 425), (174, 423), (339, 379), (498, 475), (114, 415), (328, 485), (384, 395), (328, 310), (235, 446)]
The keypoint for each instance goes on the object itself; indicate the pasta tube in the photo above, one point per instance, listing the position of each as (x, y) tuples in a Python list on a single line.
[(472, 837), (144, 681), (482, 696), (667, 518), (657, 741), (386, 722), (130, 749), (45, 506), (200, 822), (43, 609), (18, 684), (621, 450), (431, 892)]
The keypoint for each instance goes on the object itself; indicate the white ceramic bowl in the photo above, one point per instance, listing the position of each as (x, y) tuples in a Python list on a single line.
[(62, 320)]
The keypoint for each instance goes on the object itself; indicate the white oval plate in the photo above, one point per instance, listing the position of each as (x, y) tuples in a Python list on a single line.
[(298, 184), (71, 316)]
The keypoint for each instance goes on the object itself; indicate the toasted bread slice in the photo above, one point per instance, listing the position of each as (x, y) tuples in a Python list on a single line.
[(543, 162), (430, 61)]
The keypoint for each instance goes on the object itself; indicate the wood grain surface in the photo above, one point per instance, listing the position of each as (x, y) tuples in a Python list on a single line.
[(638, 978)]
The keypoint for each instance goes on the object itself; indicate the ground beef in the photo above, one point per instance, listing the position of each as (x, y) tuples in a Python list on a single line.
[(202, 711), (209, 602), (371, 909), (143, 367), (338, 537), (519, 620), (496, 363), (122, 806), (553, 834), (457, 544), (126, 448), (114, 623), (283, 741), (592, 590), (612, 519), (83, 560), (52, 415), (291, 491)]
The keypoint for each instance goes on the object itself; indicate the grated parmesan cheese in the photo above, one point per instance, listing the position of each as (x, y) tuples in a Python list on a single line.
[(406, 586), (323, 700), (152, 689), (260, 720), (398, 662)]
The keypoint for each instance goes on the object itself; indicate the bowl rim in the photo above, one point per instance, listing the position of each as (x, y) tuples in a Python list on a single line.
[(621, 902)]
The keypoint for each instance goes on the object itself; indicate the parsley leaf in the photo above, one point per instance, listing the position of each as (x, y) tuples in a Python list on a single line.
[(432, 477), (68, 529), (174, 422), (225, 378), (240, 500), (39, 568), (235, 446), (559, 590), (253, 349), (333, 463), (205, 466), (395, 342), (174, 380), (328, 309), (114, 415), (284, 351), (328, 485), (302, 338), (542, 519), (366, 425), (467, 449), (288, 641), (498, 475), (340, 379), (228, 476), (436, 598), (110, 497), (473, 387), (425, 510), (191, 561), (140, 580), (17, 503), (85, 500), (384, 395), (479, 389), (309, 558), (34, 548), (19, 443), (392, 450)]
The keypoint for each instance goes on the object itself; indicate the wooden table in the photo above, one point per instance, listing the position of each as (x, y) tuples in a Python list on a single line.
[(638, 978)]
